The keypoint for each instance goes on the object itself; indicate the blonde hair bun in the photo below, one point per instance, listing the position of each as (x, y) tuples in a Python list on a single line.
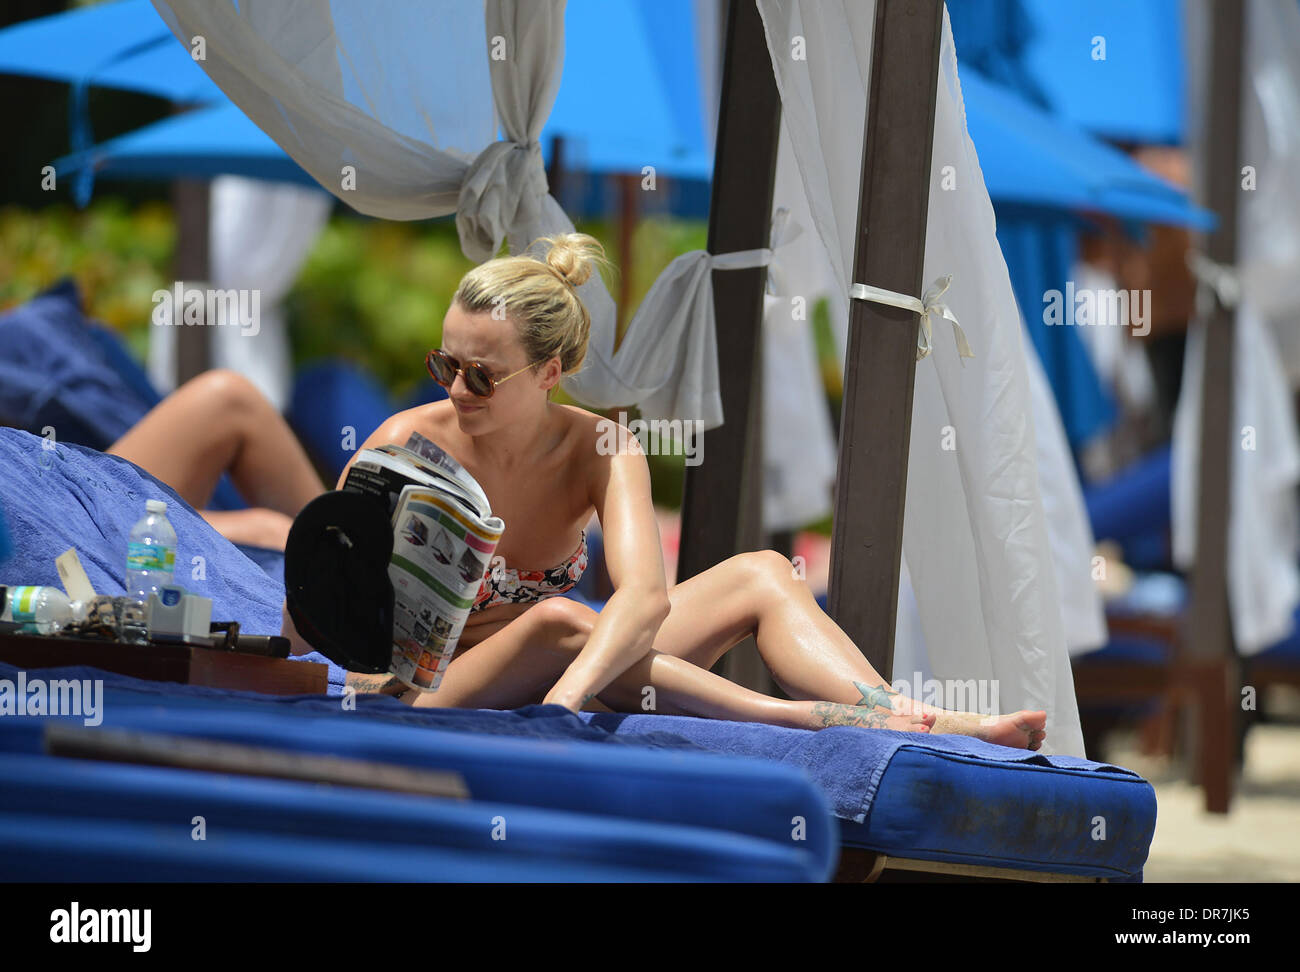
[(573, 256), (539, 292)]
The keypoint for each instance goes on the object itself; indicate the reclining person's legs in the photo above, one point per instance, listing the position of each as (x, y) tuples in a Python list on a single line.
[(519, 663), (219, 422), (807, 653)]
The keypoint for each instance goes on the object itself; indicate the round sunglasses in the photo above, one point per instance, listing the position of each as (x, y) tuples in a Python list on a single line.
[(443, 368)]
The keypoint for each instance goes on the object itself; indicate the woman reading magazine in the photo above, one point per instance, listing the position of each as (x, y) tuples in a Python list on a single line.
[(515, 328)]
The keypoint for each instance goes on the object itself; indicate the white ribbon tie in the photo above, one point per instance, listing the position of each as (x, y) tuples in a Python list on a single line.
[(927, 305)]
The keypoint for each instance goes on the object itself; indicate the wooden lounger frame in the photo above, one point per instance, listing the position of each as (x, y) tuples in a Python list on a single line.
[(859, 866)]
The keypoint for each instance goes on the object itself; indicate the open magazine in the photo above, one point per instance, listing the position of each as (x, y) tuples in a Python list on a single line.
[(444, 535)]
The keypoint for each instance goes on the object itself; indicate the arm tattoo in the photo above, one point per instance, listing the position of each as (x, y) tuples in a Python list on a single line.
[(881, 695), (839, 714), (586, 698), (386, 684)]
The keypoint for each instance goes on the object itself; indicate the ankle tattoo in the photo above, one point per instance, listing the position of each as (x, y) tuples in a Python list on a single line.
[(839, 714), (882, 695)]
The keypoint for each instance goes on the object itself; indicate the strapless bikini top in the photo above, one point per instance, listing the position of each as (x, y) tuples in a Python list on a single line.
[(507, 585)]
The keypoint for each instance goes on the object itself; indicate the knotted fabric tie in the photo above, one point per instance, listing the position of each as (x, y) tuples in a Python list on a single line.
[(927, 305), (503, 188)]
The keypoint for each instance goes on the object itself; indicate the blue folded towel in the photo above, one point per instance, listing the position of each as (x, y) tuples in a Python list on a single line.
[(845, 761), (60, 370)]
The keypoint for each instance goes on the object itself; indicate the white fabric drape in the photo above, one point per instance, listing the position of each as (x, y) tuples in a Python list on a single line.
[(261, 232), (799, 453), (393, 107), (1263, 536), (975, 533), (259, 235)]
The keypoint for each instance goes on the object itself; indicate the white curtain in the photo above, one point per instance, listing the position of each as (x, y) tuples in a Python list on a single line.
[(259, 235), (1263, 536), (975, 533), (799, 452), (394, 108)]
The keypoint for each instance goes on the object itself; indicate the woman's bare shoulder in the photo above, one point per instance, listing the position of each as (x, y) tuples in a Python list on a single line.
[(429, 420)]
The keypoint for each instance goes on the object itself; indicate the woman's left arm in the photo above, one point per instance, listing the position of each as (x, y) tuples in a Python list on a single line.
[(626, 627)]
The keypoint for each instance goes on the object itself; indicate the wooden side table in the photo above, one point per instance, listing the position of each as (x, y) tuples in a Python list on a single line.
[(169, 662)]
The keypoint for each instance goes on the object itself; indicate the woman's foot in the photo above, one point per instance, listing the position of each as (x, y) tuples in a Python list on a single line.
[(1025, 729)]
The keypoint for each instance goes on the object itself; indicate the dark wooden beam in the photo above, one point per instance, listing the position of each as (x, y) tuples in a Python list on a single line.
[(880, 366), (722, 496), (1209, 641), (719, 499), (192, 265)]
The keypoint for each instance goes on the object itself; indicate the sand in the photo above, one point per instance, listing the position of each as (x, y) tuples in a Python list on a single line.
[(1257, 840)]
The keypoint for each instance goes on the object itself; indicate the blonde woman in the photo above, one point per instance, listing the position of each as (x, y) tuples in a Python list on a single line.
[(544, 473)]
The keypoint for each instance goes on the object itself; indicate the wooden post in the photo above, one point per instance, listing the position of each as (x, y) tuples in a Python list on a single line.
[(880, 366), (721, 497), (629, 190), (190, 199), (1212, 662)]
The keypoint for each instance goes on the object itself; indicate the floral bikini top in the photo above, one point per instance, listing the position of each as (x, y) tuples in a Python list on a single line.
[(505, 585)]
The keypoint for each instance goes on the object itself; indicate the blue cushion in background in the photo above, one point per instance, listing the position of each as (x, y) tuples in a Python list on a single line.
[(58, 369), (1133, 508), (334, 394), (329, 397)]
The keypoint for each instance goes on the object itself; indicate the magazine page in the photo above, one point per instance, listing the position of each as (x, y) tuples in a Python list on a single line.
[(441, 554)]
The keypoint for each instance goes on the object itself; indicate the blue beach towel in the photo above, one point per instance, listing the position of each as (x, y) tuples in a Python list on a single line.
[(846, 762), (72, 496)]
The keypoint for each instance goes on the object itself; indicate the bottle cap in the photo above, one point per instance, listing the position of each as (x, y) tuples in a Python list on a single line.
[(155, 506)]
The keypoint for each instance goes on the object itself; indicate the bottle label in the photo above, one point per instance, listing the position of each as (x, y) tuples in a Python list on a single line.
[(148, 556), (22, 603)]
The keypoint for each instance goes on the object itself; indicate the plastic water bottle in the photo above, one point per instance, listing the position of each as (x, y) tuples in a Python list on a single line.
[(42, 610), (150, 552)]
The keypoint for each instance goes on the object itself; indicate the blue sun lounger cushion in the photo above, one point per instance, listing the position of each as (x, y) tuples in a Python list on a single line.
[(593, 805), (949, 798)]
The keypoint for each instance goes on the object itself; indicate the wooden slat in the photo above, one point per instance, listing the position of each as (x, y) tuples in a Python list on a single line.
[(722, 496), (192, 265), (715, 497), (876, 416), (1210, 631)]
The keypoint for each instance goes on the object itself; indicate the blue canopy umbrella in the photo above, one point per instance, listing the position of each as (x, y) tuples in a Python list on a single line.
[(198, 144), (1112, 67), (1030, 157), (122, 45), (620, 106)]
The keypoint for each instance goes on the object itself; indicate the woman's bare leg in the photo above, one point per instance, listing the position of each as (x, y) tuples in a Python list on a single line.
[(808, 655), (519, 663), (216, 422)]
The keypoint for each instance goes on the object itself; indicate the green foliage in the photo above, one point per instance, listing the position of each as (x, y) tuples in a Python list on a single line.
[(118, 256)]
